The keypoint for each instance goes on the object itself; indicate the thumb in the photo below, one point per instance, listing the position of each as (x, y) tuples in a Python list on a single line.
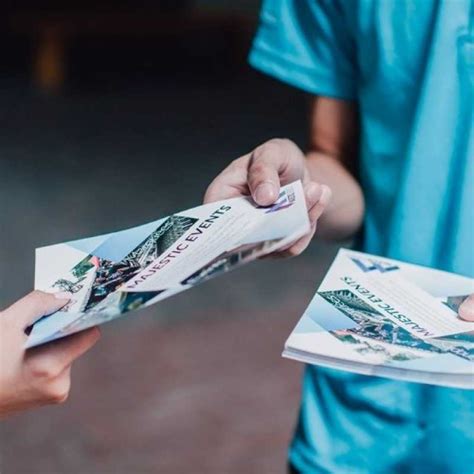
[(264, 168), (466, 310), (275, 162), (34, 306)]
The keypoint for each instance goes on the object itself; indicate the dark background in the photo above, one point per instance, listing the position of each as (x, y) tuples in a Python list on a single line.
[(113, 114)]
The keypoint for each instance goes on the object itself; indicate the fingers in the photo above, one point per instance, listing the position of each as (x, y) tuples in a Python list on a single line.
[(46, 370), (34, 306), (260, 173), (263, 181), (50, 387), (317, 197), (57, 391), (59, 354), (466, 310)]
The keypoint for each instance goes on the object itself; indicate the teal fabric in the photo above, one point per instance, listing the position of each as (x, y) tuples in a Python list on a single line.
[(410, 67)]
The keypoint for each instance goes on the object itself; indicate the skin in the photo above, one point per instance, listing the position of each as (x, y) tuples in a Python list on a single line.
[(41, 375), (334, 197)]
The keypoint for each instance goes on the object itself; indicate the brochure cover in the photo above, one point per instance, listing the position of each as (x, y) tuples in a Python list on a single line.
[(113, 274), (377, 316)]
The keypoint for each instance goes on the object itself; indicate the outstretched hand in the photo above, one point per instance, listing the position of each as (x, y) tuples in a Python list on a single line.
[(262, 172)]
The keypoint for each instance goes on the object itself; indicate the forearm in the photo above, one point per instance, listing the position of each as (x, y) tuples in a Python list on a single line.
[(344, 214)]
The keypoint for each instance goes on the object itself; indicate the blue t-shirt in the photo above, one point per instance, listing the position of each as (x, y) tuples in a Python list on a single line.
[(410, 66)]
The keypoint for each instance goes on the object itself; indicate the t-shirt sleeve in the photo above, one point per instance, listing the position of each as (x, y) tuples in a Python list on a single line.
[(307, 44)]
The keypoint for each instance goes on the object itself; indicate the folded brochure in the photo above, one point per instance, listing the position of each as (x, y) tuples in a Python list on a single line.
[(377, 316), (113, 274)]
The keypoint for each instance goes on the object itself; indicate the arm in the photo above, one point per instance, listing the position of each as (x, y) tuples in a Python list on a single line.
[(332, 160)]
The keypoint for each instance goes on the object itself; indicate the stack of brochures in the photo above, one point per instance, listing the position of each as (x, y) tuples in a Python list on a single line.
[(376, 316), (113, 274)]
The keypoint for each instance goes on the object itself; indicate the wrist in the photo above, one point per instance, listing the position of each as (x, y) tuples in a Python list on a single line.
[(344, 214)]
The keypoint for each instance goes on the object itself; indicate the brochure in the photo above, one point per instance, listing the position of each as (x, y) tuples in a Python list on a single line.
[(377, 316), (113, 274)]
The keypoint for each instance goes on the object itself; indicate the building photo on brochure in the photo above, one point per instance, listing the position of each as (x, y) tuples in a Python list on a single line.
[(237, 236)]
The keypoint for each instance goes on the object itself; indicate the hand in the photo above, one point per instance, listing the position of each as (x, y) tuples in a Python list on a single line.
[(261, 173), (466, 310), (40, 375)]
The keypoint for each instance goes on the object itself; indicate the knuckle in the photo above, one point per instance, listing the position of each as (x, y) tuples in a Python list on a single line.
[(288, 253), (43, 369), (258, 168), (57, 392), (294, 251), (282, 144), (57, 396), (268, 147), (298, 248), (275, 147)]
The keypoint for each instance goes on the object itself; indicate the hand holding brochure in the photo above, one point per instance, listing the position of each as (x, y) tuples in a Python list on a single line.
[(112, 274), (377, 316)]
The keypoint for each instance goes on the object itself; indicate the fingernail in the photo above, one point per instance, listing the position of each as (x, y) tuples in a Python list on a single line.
[(63, 295), (265, 193)]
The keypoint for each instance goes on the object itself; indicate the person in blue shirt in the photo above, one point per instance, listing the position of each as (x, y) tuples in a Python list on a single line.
[(392, 85)]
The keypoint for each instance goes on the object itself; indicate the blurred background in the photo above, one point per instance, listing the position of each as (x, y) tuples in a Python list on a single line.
[(112, 114)]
